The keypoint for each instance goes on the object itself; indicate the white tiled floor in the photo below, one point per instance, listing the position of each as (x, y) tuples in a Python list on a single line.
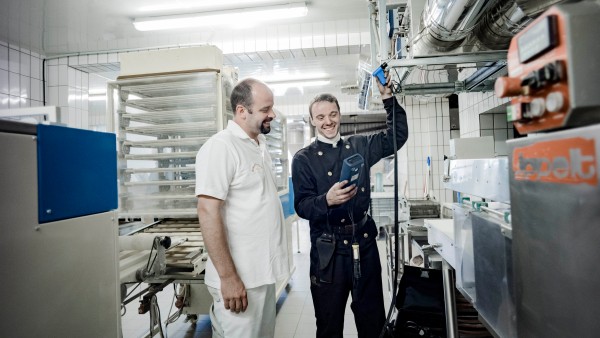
[(295, 312)]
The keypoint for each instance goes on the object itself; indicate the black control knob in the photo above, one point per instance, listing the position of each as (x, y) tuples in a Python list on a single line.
[(549, 74)]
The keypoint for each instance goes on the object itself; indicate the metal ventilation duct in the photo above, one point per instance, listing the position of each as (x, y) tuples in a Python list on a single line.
[(473, 25), (464, 27), (506, 19), (500, 24), (534, 8), (446, 23)]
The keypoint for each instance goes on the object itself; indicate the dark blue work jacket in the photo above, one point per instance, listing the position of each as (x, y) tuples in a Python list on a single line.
[(317, 167)]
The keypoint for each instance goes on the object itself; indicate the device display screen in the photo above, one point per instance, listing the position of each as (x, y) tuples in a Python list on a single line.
[(351, 168), (538, 39)]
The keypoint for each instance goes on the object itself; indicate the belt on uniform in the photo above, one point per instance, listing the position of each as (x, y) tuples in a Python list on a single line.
[(349, 228)]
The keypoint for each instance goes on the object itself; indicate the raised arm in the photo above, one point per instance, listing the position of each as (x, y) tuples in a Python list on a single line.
[(382, 145)]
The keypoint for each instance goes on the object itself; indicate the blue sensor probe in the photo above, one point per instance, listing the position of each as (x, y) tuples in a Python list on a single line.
[(380, 73)]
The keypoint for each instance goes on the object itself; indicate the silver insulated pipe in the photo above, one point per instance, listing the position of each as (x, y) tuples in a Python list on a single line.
[(508, 18), (446, 23), (534, 8)]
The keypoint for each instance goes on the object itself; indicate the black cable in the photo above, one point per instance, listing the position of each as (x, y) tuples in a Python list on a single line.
[(159, 316), (155, 316), (127, 301), (150, 255), (167, 322), (351, 204), (396, 232), (396, 244), (44, 83), (175, 295), (153, 260), (151, 320), (397, 88), (130, 292), (156, 243)]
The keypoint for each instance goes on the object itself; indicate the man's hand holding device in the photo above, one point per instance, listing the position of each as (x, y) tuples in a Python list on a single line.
[(343, 191)]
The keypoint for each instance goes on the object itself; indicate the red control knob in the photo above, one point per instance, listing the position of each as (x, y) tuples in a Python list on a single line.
[(508, 86)]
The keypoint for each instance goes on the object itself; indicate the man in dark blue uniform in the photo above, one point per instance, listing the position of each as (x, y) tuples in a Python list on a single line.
[(338, 216)]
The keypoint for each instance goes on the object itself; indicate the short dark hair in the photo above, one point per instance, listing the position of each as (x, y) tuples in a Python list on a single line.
[(323, 97), (242, 94)]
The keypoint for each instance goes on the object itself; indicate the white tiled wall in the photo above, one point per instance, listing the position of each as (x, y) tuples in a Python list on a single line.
[(67, 88), (429, 136), (20, 77), (429, 130), (471, 105), (97, 103), (21, 84), (495, 125)]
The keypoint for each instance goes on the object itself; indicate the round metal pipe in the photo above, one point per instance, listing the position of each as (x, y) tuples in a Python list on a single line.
[(446, 23), (449, 300)]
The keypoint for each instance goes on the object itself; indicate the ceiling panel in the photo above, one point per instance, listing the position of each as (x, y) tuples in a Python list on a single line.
[(60, 27), (69, 26)]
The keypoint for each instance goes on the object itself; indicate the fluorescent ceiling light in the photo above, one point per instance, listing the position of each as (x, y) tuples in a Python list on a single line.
[(280, 83), (300, 84), (97, 91), (93, 98), (229, 17), (287, 77), (279, 89), (204, 5)]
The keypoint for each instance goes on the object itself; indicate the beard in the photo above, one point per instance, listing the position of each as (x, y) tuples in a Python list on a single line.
[(264, 129)]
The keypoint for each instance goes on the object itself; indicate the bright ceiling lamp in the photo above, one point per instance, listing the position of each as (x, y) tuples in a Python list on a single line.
[(280, 89), (300, 84), (282, 77), (196, 5), (283, 81), (220, 18)]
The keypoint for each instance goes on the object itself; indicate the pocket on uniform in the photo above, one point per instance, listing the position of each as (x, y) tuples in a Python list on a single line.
[(256, 168), (252, 175)]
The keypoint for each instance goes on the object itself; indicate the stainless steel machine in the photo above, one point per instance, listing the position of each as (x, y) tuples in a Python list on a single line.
[(476, 242), (555, 196), (555, 200), (58, 221)]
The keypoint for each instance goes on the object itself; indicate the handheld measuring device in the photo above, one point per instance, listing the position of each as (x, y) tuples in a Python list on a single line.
[(351, 169)]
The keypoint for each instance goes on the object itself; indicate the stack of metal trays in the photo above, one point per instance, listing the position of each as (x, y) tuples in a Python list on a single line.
[(162, 121)]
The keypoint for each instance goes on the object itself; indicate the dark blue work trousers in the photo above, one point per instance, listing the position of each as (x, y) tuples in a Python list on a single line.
[(329, 299)]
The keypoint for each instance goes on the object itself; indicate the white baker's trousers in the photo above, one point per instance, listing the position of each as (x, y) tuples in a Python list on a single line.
[(258, 321)]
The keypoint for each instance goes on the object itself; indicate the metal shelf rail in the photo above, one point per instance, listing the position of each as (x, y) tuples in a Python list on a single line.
[(161, 122)]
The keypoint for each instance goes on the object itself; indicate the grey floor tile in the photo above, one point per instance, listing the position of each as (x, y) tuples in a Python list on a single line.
[(349, 325), (283, 334), (304, 335), (287, 322), (306, 330)]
